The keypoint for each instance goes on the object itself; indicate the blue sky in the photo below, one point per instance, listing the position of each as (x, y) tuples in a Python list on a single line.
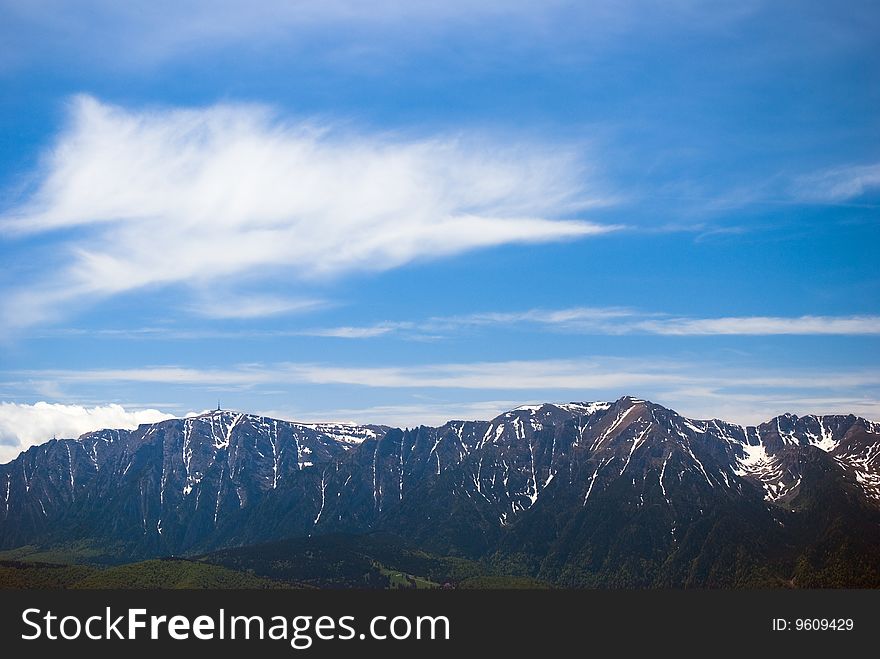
[(408, 213)]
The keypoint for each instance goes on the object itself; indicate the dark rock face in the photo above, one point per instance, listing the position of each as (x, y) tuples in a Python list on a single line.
[(620, 494)]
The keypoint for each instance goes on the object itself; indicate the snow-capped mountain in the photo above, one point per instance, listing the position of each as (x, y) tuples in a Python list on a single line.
[(604, 493)]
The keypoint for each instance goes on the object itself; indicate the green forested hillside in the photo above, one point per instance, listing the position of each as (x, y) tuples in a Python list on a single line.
[(153, 574)]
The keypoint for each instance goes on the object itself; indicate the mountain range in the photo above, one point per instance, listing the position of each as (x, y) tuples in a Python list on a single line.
[(623, 494)]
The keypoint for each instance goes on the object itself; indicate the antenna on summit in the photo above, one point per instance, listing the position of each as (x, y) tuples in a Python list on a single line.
[(218, 404)]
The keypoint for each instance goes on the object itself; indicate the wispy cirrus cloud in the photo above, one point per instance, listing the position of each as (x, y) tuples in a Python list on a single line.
[(596, 321), (146, 34), (245, 306), (354, 332), (762, 326), (839, 183), (621, 321), (513, 375), (608, 373), (162, 197), (744, 394)]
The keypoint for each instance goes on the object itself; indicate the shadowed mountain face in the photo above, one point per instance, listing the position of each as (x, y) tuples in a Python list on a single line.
[(620, 494)]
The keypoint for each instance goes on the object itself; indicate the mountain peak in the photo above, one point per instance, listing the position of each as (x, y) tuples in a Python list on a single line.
[(218, 413)]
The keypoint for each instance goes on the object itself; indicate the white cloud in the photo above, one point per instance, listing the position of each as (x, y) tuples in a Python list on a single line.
[(170, 196), (839, 183), (24, 425)]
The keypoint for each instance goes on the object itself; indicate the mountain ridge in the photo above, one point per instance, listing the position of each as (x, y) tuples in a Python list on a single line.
[(573, 493)]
